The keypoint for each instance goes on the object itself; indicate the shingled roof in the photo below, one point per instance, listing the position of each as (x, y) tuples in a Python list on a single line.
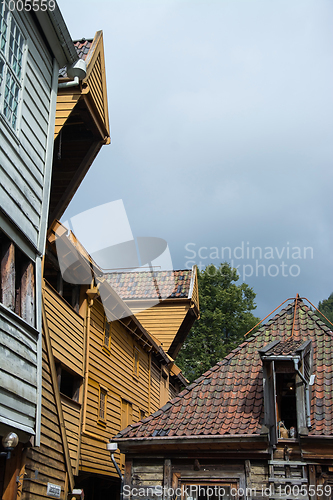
[(228, 399), (152, 285)]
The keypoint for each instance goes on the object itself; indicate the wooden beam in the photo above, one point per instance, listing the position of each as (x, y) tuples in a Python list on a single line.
[(54, 378), (167, 477)]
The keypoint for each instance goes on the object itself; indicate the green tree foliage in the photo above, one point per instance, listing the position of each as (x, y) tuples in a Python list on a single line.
[(225, 317), (326, 307)]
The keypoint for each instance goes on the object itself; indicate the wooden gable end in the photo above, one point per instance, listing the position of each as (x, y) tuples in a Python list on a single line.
[(94, 85), (164, 320), (170, 321)]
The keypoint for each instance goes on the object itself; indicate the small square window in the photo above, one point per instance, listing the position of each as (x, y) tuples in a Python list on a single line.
[(69, 383)]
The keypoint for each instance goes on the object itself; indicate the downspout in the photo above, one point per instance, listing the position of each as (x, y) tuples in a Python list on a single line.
[(77, 71), (72, 83), (86, 367), (307, 393), (112, 447)]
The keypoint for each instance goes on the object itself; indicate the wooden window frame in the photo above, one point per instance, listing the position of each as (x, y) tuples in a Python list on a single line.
[(107, 336), (136, 363), (129, 406), (17, 280), (102, 408), (77, 383), (7, 58), (210, 483)]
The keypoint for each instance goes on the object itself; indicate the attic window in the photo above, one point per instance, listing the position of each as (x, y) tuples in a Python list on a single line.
[(287, 367), (286, 404)]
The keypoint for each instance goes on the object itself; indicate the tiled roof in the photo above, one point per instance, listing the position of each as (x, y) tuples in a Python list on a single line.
[(151, 285), (82, 48), (228, 398), (285, 348)]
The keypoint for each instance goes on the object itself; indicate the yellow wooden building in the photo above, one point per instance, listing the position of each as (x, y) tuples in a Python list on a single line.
[(81, 125), (101, 375)]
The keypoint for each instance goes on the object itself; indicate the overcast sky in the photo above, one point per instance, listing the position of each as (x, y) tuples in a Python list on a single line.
[(221, 120)]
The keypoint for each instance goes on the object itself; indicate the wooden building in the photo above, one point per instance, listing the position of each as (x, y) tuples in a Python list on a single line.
[(109, 373), (33, 46), (169, 320), (81, 129), (223, 436), (81, 124)]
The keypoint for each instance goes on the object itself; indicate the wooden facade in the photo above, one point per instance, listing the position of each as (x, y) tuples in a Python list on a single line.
[(222, 437), (81, 125), (110, 373), (33, 47)]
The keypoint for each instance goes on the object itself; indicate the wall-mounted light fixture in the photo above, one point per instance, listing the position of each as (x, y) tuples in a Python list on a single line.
[(9, 442)]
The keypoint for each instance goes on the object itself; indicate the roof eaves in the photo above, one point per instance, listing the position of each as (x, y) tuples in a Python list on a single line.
[(57, 35)]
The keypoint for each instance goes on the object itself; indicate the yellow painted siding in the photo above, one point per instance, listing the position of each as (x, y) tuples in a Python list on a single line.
[(195, 292), (155, 388), (66, 100), (48, 458), (112, 370), (96, 87), (72, 413), (163, 320), (66, 330)]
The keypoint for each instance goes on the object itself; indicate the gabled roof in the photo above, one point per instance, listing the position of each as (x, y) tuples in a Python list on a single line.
[(142, 285), (81, 125), (288, 347), (228, 399)]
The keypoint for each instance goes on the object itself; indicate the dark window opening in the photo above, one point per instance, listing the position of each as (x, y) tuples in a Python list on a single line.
[(69, 383), (68, 291), (286, 404), (17, 280)]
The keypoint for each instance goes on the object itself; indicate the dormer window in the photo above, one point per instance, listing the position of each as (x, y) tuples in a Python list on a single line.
[(287, 368)]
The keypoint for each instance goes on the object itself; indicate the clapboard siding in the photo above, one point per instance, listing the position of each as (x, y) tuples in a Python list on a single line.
[(113, 370), (72, 414), (66, 330), (163, 320), (22, 157), (48, 458), (66, 101), (18, 347), (155, 388)]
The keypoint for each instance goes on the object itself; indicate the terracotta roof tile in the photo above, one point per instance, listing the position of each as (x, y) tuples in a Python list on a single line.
[(228, 398), (151, 285), (82, 48)]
